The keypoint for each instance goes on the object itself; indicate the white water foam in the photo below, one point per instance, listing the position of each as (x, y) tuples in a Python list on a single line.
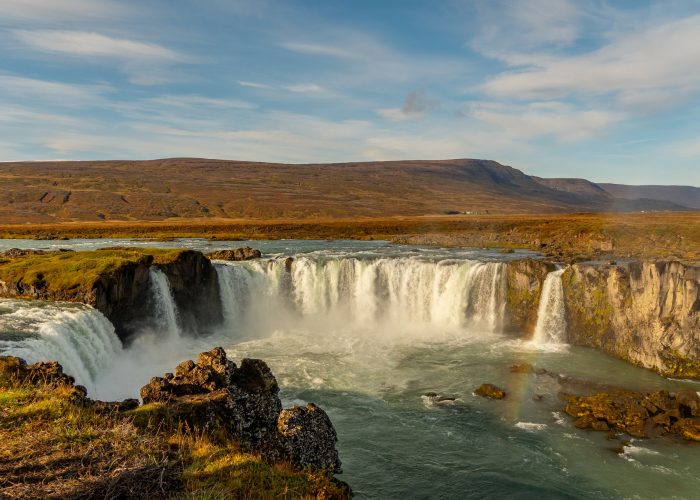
[(80, 338), (406, 293), (551, 314)]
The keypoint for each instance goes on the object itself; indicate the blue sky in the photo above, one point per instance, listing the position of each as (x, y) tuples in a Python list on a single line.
[(603, 90)]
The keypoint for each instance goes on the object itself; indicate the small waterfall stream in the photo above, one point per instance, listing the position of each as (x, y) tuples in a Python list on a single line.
[(166, 310), (551, 317)]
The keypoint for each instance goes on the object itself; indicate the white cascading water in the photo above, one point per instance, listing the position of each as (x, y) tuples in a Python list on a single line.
[(450, 294), (81, 339), (551, 315), (166, 310)]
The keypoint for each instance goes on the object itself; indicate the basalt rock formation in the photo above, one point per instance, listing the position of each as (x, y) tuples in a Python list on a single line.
[(215, 395), (126, 296), (647, 313)]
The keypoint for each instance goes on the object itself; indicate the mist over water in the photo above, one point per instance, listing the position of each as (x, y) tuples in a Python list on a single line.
[(365, 330)]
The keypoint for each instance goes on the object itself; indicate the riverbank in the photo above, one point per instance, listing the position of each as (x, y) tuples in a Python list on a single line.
[(628, 235)]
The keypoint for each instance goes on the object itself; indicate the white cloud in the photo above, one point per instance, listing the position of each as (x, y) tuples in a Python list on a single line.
[(505, 28), (538, 119), (304, 88), (664, 56), (94, 45), (196, 101), (57, 93), (320, 50), (255, 85), (51, 11)]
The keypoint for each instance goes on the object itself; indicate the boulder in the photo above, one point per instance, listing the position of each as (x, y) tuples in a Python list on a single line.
[(236, 254), (490, 391), (307, 439)]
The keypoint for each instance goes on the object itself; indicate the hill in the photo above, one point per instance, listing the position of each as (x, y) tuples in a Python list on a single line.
[(200, 188), (683, 195)]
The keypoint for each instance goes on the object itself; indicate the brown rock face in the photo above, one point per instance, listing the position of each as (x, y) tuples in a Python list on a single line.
[(490, 391), (242, 403), (647, 313), (642, 415), (243, 253)]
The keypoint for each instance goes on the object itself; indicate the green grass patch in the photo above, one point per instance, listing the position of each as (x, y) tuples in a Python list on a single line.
[(77, 271)]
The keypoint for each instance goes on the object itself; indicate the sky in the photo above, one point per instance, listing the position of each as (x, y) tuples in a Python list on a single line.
[(605, 90)]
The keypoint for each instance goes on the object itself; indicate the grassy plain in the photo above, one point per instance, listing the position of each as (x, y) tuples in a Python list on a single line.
[(657, 234)]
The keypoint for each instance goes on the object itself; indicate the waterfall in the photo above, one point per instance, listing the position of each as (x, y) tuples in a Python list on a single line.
[(551, 318), (165, 308), (80, 338), (450, 294)]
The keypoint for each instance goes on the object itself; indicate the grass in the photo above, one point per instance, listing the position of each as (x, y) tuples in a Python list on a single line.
[(51, 447), (75, 271)]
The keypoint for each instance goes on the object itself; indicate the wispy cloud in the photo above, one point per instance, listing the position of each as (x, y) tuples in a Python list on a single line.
[(297, 88), (255, 85), (57, 93), (95, 45), (51, 11), (664, 56), (537, 119), (320, 50), (196, 101)]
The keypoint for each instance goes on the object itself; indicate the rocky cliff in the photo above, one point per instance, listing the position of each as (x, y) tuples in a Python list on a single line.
[(126, 296), (647, 313)]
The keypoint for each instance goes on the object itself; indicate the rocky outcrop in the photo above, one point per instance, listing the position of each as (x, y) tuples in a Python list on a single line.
[(235, 254), (50, 373), (241, 403), (490, 391), (524, 280), (647, 313), (641, 415)]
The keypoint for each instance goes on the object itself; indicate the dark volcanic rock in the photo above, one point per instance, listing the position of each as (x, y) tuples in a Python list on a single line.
[(490, 391), (307, 438), (241, 403), (126, 297), (243, 253)]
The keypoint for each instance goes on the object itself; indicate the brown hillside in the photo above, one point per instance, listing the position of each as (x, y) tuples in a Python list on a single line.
[(194, 188)]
